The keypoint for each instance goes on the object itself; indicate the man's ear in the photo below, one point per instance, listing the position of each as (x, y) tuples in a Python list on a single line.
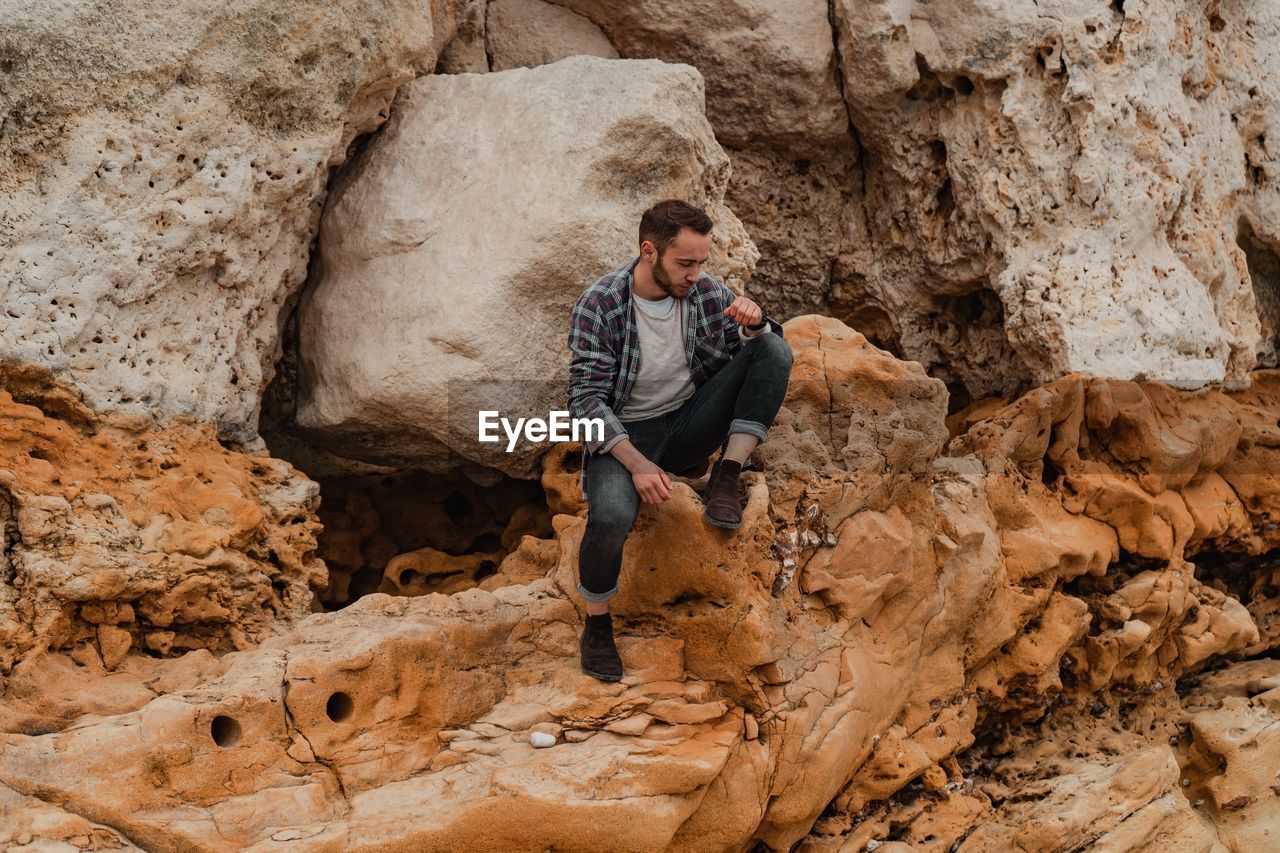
[(648, 251)]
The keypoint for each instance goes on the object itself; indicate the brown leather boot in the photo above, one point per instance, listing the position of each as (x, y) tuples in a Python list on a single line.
[(598, 653), (723, 509)]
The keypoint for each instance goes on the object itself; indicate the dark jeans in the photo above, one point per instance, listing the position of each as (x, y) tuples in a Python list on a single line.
[(743, 397)]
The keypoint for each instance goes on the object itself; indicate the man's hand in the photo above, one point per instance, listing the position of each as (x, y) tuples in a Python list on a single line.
[(744, 312), (651, 482)]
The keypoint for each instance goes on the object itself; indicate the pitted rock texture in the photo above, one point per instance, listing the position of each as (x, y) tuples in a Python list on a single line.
[(1190, 770), (127, 537), (423, 314), (162, 170), (1047, 621), (1060, 186), (897, 646)]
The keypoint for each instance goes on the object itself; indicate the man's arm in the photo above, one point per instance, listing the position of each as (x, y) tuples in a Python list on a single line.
[(742, 312), (591, 378), (592, 373)]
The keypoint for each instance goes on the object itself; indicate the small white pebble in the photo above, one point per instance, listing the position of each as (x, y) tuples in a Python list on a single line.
[(542, 739)]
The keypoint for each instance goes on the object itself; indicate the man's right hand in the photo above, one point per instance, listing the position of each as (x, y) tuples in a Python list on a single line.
[(651, 482)]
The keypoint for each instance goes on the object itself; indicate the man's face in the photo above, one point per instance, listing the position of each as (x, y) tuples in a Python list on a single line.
[(677, 269)]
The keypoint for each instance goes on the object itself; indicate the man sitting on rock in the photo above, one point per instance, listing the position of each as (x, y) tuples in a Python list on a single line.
[(675, 366)]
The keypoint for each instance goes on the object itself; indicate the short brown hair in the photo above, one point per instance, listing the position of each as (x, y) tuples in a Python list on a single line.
[(662, 222)]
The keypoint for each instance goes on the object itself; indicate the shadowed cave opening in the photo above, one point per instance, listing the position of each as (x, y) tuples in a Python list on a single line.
[(414, 532), (225, 731), (399, 531), (1254, 581), (1264, 273)]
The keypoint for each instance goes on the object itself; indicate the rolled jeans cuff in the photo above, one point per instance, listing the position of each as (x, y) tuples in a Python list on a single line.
[(596, 597), (759, 430)]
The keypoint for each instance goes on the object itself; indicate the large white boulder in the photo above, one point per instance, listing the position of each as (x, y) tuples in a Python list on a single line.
[(162, 166), (454, 248)]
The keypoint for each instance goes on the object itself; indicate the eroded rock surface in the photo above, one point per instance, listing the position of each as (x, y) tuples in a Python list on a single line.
[(988, 629), (529, 33), (1047, 621), (1060, 186), (162, 169), (774, 98), (127, 537)]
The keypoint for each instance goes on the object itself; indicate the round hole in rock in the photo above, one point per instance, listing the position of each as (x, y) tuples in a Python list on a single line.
[(225, 731), (339, 707)]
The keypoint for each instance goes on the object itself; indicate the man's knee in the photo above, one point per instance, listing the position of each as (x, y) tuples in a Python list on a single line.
[(774, 348), (611, 519)]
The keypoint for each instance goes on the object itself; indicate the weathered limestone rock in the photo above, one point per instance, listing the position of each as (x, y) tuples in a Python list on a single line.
[(1067, 179), (1016, 191), (1000, 629), (162, 169), (799, 207), (435, 300), (1233, 752), (769, 68), (1128, 804), (466, 52), (125, 536), (1160, 772), (528, 33)]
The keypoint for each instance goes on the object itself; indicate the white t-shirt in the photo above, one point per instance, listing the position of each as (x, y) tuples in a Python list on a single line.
[(664, 381)]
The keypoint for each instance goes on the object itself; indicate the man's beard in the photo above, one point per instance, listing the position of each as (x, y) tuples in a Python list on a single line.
[(664, 283)]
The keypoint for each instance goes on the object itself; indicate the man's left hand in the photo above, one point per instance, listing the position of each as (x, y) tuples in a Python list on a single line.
[(744, 312)]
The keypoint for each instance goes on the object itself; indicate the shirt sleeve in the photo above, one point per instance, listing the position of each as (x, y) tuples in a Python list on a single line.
[(592, 373)]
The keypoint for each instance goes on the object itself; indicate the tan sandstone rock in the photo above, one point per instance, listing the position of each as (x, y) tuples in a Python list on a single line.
[(871, 654), (113, 531)]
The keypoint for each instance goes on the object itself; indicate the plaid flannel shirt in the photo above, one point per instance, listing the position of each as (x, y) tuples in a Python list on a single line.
[(606, 348)]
